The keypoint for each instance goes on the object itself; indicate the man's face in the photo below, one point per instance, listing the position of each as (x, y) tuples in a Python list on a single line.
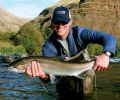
[(62, 29)]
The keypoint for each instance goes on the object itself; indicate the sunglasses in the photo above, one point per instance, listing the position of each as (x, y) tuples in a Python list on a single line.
[(60, 23)]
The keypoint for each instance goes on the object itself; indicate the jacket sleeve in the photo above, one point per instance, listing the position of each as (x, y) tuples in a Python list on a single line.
[(48, 50), (106, 40)]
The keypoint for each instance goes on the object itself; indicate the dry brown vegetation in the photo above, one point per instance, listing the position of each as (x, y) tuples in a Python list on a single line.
[(66, 2), (102, 15), (10, 22)]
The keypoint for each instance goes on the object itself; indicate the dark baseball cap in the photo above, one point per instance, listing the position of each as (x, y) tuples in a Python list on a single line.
[(61, 14)]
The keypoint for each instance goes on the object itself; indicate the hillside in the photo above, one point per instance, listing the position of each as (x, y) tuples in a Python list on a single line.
[(9, 22), (66, 2)]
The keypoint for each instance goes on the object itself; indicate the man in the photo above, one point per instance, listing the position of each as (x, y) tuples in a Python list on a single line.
[(67, 41)]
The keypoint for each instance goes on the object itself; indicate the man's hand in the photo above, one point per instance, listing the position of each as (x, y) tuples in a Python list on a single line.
[(101, 63), (35, 70)]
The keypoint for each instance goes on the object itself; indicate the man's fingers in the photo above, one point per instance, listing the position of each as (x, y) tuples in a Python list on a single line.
[(41, 73), (28, 70), (34, 69), (99, 68)]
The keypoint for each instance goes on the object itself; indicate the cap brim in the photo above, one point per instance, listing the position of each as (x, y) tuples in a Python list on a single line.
[(60, 19)]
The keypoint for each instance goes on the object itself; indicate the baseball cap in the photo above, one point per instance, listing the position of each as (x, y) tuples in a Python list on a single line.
[(61, 14)]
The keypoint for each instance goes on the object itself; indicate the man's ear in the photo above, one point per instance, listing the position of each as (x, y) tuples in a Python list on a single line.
[(70, 23)]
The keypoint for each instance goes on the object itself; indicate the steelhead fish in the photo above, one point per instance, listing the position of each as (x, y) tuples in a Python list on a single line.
[(53, 66)]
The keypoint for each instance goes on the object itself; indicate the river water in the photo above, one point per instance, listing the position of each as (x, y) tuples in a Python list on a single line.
[(14, 86)]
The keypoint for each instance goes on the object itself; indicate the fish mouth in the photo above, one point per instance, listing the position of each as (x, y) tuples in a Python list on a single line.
[(12, 69)]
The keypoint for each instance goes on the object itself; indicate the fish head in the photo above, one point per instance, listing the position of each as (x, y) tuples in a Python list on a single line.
[(18, 69)]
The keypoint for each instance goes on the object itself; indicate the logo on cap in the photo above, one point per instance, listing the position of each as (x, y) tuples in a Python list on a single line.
[(60, 12)]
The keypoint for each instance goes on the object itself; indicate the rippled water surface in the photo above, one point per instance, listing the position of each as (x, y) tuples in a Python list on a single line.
[(15, 86)]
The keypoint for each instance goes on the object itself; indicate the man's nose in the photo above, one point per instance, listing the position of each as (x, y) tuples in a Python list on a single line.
[(60, 25)]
